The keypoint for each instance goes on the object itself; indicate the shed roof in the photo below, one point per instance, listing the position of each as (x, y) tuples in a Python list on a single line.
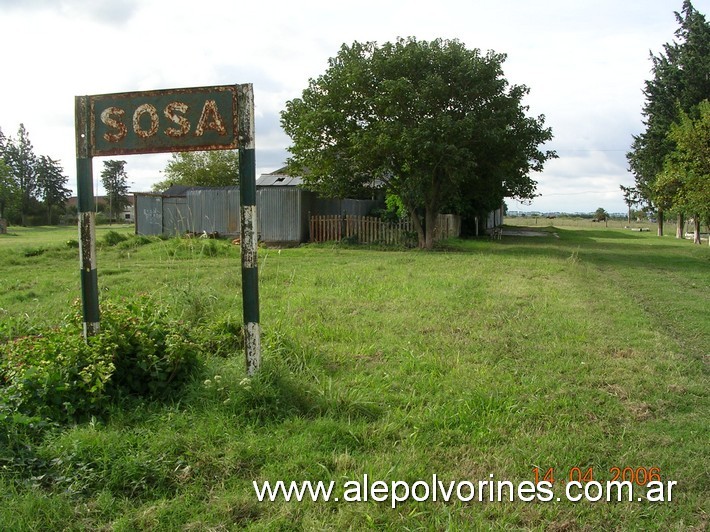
[(278, 180), (176, 190)]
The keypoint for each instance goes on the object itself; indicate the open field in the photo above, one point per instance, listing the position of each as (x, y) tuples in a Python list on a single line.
[(584, 223), (483, 358)]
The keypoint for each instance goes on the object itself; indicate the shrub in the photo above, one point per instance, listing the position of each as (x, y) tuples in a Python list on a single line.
[(34, 252), (56, 376)]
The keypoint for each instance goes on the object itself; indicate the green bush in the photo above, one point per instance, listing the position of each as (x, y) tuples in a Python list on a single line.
[(112, 238), (34, 252), (56, 376)]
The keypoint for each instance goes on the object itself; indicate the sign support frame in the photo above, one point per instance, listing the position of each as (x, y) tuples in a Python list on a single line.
[(243, 106), (87, 219), (249, 232)]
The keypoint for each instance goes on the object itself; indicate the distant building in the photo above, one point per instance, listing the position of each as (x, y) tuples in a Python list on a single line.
[(127, 215)]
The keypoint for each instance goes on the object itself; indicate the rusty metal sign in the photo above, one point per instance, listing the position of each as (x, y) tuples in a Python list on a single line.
[(200, 118)]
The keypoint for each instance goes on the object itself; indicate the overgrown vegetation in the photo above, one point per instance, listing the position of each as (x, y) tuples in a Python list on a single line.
[(57, 377), (486, 357)]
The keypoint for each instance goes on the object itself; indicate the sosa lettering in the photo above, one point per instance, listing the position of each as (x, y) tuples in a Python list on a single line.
[(146, 121)]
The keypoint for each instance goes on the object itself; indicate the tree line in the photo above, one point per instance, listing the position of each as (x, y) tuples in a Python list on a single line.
[(670, 160), (32, 187)]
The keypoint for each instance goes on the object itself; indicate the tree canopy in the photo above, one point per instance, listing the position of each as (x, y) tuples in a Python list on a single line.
[(433, 122), (685, 179), (217, 168), (681, 80)]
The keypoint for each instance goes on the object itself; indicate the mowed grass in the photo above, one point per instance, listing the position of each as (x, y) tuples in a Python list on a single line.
[(589, 350)]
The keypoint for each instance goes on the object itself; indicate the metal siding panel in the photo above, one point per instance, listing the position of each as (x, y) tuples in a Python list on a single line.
[(280, 214), (195, 207), (337, 207), (233, 213), (220, 213), (218, 207), (175, 216), (358, 207), (149, 215)]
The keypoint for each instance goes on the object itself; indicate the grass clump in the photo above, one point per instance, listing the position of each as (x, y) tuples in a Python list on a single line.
[(112, 238)]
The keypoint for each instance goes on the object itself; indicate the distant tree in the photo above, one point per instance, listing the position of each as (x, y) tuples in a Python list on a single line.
[(600, 215), (20, 158), (631, 197), (638, 214), (217, 168), (681, 80), (8, 189), (114, 180), (431, 121), (686, 175), (51, 183)]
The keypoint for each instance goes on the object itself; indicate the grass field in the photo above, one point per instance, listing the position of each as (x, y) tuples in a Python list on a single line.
[(587, 350)]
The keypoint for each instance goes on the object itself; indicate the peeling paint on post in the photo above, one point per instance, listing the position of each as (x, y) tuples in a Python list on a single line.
[(87, 220), (249, 236)]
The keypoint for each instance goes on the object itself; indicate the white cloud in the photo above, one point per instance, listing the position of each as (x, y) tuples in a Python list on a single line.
[(585, 63)]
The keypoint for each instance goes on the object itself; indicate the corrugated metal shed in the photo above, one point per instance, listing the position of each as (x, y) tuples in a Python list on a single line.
[(283, 209)]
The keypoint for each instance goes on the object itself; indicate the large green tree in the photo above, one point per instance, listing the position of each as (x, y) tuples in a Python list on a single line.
[(114, 179), (685, 178), (51, 183), (218, 168), (681, 80), (431, 121)]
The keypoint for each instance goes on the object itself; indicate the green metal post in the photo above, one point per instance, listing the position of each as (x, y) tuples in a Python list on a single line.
[(249, 234), (87, 219)]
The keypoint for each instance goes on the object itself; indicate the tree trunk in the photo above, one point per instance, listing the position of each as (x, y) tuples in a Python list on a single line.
[(418, 227), (429, 222), (696, 236), (679, 229), (660, 222)]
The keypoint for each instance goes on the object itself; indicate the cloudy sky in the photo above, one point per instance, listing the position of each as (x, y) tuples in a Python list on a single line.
[(585, 63)]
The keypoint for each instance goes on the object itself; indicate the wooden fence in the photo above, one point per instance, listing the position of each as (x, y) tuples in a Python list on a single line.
[(362, 229), (447, 226), (371, 230)]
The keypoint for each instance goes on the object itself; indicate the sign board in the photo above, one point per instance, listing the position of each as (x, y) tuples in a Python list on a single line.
[(200, 118)]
